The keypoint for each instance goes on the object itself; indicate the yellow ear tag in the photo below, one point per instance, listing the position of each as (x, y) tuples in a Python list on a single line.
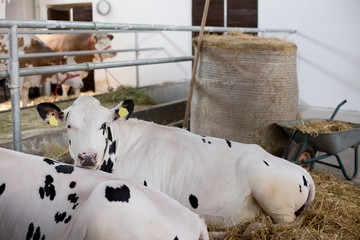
[(123, 112), (53, 121)]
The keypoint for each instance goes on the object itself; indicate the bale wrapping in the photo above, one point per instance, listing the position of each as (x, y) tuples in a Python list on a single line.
[(244, 84)]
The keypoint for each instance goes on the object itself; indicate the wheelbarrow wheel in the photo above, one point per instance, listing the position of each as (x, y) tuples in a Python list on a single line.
[(308, 153)]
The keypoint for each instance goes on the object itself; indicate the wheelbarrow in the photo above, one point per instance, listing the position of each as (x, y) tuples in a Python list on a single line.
[(330, 144)]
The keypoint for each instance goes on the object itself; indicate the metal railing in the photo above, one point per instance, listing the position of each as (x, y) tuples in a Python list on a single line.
[(14, 72)]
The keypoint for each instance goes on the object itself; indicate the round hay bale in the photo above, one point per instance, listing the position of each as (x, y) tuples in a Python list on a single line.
[(244, 84)]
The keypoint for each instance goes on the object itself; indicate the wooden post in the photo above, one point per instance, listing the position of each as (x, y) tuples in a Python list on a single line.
[(197, 52)]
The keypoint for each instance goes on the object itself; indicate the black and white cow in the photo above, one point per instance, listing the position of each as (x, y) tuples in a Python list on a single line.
[(225, 182), (44, 199)]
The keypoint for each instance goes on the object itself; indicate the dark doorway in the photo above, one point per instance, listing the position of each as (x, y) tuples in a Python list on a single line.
[(79, 13), (240, 13)]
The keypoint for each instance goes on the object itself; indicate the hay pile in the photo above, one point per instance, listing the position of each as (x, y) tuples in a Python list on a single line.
[(140, 97), (55, 151), (244, 42), (245, 84), (313, 127), (334, 214)]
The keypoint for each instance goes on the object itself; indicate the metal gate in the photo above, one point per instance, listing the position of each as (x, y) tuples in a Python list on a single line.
[(14, 72)]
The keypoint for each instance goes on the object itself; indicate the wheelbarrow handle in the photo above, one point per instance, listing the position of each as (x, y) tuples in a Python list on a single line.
[(337, 109)]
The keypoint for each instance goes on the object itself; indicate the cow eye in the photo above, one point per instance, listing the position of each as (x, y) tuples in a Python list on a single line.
[(68, 126)]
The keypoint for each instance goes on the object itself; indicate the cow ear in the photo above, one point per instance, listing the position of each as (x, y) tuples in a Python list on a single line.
[(110, 37), (50, 113), (123, 109), (94, 39)]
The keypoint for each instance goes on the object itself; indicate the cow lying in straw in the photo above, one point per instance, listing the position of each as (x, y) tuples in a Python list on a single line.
[(44, 199), (225, 182)]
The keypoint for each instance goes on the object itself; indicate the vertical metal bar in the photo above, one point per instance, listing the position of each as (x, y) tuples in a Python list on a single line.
[(14, 85), (137, 58), (225, 12), (71, 11)]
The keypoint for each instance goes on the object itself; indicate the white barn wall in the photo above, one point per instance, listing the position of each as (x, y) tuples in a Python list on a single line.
[(143, 12), (327, 37), (2, 8), (174, 43)]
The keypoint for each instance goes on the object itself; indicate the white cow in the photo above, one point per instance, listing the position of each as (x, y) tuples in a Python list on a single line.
[(225, 182), (44, 199)]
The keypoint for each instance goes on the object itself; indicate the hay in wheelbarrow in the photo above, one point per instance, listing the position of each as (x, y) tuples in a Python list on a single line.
[(313, 127), (334, 214)]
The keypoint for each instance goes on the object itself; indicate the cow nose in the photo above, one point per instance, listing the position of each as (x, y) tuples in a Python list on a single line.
[(87, 159)]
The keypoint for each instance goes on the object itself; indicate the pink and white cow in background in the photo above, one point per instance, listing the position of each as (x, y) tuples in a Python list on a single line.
[(44, 199), (31, 44), (80, 42), (223, 181)]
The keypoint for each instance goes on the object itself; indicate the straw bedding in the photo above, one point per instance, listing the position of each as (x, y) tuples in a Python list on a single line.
[(334, 214)]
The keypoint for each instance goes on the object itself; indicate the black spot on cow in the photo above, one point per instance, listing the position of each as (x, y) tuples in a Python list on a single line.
[(72, 184), (193, 201), (266, 163), (48, 189), (2, 188), (60, 217), (228, 143), (297, 213), (69, 142), (73, 198), (103, 127), (112, 148), (30, 232), (107, 166), (176, 238), (145, 183), (109, 134), (300, 188), (65, 169), (203, 139), (34, 234), (209, 142), (120, 194), (67, 220), (305, 181), (49, 161)]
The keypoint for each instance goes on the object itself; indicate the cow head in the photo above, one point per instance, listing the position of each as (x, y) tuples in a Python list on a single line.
[(89, 129), (102, 42)]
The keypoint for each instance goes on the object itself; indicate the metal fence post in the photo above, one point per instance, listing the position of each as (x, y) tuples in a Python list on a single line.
[(137, 58), (14, 85)]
